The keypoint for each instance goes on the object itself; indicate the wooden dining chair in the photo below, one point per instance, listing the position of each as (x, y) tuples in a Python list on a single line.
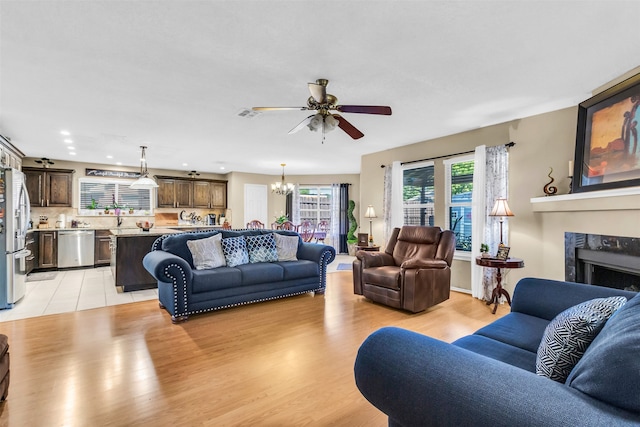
[(255, 225), (321, 231), (306, 230), (288, 225)]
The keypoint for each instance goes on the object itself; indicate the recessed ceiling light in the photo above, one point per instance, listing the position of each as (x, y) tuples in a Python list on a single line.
[(68, 141), (65, 132), (119, 163), (109, 157), (221, 167), (185, 164), (72, 153), (71, 148)]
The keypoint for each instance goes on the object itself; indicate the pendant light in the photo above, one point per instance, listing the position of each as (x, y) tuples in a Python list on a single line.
[(144, 182), (281, 187)]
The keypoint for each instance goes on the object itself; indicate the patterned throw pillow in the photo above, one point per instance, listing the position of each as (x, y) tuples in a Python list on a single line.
[(207, 253), (287, 247), (569, 334), (261, 248), (235, 251)]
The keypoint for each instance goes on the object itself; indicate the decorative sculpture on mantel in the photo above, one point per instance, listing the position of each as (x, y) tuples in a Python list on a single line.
[(550, 190)]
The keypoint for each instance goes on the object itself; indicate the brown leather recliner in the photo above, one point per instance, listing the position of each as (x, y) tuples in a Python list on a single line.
[(414, 271)]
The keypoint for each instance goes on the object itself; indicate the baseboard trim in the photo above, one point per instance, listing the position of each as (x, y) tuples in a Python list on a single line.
[(464, 291)]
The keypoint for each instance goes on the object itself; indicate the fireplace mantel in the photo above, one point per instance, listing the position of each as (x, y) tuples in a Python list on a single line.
[(605, 200)]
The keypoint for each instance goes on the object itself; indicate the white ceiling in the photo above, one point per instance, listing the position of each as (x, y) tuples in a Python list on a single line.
[(173, 75)]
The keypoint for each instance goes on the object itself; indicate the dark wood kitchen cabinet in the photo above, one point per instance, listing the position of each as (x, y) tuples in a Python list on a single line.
[(174, 193), (49, 187), (127, 252), (210, 194), (102, 249), (48, 249)]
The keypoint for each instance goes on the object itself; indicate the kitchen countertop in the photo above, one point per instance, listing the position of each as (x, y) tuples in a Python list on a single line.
[(135, 231)]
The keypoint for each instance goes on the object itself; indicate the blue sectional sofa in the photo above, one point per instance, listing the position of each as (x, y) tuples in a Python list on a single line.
[(489, 378), (184, 290)]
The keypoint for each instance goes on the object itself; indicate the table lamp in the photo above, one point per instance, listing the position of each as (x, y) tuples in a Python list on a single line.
[(370, 213), (501, 209)]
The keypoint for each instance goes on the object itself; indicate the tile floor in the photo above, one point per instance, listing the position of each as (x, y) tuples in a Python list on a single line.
[(84, 289), (73, 290)]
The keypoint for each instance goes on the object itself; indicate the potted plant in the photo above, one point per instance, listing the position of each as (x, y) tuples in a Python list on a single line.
[(352, 240), (484, 250)]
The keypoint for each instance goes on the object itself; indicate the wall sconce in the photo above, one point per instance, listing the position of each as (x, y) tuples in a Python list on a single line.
[(501, 209)]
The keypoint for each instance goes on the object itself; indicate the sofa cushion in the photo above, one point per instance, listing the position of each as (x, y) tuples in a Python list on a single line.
[(207, 253), (570, 333), (517, 329), (609, 370), (177, 244), (286, 247), (235, 251), (262, 248), (299, 269), (216, 279), (510, 354), (263, 272)]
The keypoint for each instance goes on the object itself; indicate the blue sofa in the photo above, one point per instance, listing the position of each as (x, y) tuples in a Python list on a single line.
[(184, 290), (489, 378)]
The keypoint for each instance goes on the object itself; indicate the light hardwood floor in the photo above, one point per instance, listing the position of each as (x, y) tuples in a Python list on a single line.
[(287, 362)]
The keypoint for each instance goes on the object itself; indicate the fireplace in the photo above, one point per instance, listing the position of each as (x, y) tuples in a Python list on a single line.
[(611, 261)]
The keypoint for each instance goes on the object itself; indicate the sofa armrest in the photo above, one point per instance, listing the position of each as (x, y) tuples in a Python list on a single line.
[(161, 266), (546, 298), (424, 263), (417, 380), (317, 253), (374, 259)]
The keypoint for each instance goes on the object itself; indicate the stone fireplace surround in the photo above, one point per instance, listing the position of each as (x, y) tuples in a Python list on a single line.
[(603, 260)]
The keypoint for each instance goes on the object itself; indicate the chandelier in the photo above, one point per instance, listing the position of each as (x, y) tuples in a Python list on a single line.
[(281, 187), (144, 182)]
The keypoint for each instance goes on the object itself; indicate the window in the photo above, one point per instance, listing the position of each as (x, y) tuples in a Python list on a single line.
[(315, 203), (98, 194), (417, 194), (459, 191)]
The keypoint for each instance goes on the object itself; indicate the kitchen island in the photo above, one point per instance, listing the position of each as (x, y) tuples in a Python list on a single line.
[(128, 246)]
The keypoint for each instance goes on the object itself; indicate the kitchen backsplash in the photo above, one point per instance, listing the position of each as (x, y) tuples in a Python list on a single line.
[(109, 220)]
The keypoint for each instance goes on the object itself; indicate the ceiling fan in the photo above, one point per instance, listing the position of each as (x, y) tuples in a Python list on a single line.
[(324, 103)]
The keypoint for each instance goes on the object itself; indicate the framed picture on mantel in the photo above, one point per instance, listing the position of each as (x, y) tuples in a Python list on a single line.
[(607, 148)]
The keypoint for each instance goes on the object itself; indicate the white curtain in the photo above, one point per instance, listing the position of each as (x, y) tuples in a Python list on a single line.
[(295, 205), (334, 232), (490, 182), (392, 199)]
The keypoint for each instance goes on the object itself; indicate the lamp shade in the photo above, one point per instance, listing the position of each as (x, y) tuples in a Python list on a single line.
[(144, 182), (501, 208), (370, 213)]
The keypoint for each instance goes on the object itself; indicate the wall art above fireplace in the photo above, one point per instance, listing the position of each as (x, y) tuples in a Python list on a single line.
[(607, 151)]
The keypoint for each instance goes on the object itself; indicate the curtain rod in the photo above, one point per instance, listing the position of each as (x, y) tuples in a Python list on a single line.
[(508, 145)]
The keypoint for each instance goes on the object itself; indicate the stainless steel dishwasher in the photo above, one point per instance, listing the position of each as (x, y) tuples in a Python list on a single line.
[(75, 248)]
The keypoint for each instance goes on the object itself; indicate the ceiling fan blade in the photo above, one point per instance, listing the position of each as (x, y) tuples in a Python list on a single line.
[(279, 108), (301, 124), (348, 127), (318, 92), (365, 109)]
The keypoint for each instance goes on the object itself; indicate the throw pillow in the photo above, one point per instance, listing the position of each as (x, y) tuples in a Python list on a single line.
[(569, 334), (235, 251), (207, 253), (287, 247), (261, 248), (608, 371)]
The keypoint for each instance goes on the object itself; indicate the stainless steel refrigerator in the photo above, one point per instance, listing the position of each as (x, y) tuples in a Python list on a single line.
[(14, 222)]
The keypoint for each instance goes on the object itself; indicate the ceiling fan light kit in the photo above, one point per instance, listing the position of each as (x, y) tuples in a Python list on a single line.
[(324, 103)]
